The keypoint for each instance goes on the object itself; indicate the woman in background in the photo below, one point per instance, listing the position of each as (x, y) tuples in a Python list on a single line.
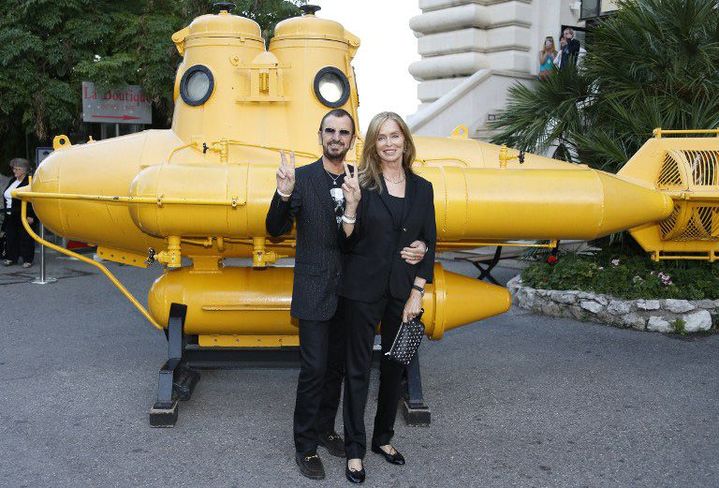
[(546, 58), (18, 243)]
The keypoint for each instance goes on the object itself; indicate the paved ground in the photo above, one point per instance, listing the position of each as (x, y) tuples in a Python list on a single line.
[(517, 400)]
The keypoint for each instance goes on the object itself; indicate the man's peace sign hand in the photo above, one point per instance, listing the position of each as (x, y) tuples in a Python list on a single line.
[(286, 174)]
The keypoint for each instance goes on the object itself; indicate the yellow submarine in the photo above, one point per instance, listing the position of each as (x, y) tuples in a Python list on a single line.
[(197, 193)]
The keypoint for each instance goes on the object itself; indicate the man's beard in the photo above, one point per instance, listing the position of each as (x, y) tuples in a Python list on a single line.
[(335, 158)]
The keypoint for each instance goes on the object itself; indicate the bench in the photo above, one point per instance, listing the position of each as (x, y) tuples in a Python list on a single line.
[(485, 262)]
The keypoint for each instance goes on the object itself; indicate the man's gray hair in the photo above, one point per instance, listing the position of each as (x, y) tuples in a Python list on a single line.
[(20, 163)]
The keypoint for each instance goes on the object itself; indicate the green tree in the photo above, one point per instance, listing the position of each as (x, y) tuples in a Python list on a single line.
[(48, 47), (655, 63), (268, 13)]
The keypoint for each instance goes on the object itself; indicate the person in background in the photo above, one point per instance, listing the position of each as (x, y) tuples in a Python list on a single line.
[(558, 56), (546, 58), (570, 51), (18, 243), (4, 180)]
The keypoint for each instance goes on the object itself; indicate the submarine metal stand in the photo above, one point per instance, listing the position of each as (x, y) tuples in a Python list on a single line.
[(179, 376)]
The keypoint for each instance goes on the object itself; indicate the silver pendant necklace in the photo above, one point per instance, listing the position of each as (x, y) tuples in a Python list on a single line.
[(334, 178)]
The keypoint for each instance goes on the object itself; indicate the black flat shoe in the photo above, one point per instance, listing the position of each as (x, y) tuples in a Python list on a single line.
[(310, 465), (355, 476), (395, 458), (333, 442)]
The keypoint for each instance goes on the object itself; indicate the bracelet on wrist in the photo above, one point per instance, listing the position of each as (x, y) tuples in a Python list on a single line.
[(348, 220), (419, 289), (283, 195)]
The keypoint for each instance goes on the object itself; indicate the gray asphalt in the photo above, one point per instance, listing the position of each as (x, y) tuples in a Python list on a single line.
[(517, 400)]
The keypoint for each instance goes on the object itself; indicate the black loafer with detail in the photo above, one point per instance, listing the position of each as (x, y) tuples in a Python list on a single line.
[(333, 442), (395, 458), (310, 465)]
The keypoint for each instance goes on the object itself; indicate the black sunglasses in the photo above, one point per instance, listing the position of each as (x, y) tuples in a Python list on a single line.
[(330, 132)]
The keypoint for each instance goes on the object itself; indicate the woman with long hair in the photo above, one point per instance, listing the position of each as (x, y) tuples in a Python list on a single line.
[(546, 58), (395, 207)]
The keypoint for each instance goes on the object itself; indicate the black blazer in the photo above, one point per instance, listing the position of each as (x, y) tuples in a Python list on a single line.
[(318, 260), (372, 259), (15, 209)]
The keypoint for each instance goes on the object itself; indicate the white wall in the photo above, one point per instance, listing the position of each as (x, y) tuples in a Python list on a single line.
[(472, 52)]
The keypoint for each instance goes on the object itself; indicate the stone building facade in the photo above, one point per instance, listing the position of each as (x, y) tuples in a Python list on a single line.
[(474, 50)]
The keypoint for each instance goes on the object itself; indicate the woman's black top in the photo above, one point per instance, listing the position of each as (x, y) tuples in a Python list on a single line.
[(396, 206)]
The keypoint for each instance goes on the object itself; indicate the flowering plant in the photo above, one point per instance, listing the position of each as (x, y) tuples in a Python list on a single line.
[(625, 276), (664, 278)]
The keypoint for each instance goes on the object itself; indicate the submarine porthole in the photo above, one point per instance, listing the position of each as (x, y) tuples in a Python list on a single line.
[(332, 87), (196, 85)]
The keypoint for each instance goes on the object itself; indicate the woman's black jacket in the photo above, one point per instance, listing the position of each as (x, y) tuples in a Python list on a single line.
[(373, 265)]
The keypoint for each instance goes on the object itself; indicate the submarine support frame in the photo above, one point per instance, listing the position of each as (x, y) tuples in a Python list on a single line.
[(176, 380), (414, 410), (178, 376)]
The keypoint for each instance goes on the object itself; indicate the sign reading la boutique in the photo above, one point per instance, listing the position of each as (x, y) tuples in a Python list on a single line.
[(124, 105)]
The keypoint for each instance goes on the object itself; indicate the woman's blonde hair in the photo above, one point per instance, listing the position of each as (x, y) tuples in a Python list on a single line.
[(370, 168)]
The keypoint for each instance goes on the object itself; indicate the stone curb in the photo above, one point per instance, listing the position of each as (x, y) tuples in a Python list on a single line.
[(651, 315)]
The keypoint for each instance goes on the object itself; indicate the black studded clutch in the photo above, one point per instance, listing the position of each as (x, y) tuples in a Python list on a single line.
[(407, 341)]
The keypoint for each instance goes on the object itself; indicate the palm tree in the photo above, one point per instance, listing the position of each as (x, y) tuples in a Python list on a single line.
[(655, 63)]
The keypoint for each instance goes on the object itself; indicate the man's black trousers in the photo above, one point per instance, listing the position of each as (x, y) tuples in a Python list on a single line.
[(320, 381)]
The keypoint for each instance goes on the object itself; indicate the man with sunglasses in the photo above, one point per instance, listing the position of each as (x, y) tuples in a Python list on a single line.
[(312, 197)]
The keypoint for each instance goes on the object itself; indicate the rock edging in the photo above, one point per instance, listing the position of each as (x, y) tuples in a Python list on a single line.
[(665, 315)]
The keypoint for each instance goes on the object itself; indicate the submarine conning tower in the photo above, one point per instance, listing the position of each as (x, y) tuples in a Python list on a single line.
[(230, 87)]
